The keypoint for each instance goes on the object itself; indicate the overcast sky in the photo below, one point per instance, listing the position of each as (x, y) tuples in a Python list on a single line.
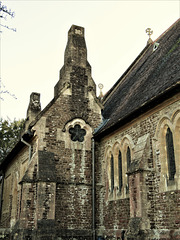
[(114, 32)]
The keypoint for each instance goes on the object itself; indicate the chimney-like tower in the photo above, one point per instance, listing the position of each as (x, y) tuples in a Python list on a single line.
[(33, 109), (76, 51), (75, 56)]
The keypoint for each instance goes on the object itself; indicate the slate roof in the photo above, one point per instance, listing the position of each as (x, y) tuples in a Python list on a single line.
[(152, 75)]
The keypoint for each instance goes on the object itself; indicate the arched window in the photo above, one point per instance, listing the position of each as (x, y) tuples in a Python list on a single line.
[(170, 154), (128, 157), (128, 160), (120, 171), (112, 173)]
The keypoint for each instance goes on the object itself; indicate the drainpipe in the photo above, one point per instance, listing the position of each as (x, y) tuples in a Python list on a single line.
[(27, 144), (1, 197), (93, 190)]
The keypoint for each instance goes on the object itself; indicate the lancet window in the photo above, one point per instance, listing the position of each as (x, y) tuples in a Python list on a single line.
[(128, 161), (170, 154), (128, 157), (120, 171), (112, 173)]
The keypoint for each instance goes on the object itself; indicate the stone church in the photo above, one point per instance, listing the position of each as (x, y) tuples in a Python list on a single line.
[(107, 167)]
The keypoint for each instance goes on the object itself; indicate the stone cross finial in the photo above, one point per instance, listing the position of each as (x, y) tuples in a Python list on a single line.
[(149, 33), (100, 85)]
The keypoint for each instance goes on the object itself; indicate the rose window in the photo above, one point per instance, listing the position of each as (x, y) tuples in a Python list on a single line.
[(77, 133)]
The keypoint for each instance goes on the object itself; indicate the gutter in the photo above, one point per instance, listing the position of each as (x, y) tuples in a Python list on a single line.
[(93, 190)]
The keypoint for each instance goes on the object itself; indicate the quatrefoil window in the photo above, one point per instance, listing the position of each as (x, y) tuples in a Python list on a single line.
[(77, 133)]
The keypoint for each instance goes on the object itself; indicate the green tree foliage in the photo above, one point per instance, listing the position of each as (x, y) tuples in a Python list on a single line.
[(9, 135)]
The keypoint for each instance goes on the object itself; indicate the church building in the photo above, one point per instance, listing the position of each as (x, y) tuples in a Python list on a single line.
[(96, 168)]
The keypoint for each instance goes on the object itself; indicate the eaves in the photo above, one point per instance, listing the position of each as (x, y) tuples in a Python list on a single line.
[(168, 93)]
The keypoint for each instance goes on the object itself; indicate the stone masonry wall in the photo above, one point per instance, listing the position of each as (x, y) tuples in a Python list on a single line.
[(70, 161), (73, 163), (113, 214), (12, 188)]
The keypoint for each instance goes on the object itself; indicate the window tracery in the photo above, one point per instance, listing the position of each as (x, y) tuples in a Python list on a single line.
[(167, 149), (77, 133)]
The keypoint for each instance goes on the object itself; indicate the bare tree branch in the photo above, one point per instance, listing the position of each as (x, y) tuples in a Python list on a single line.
[(4, 91), (3, 9), (4, 12), (13, 29)]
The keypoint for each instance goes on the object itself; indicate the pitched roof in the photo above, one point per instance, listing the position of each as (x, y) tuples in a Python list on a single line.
[(154, 72)]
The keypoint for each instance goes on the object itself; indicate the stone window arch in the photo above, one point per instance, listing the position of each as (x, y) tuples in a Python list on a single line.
[(127, 147), (106, 178), (176, 123), (166, 149), (118, 156), (76, 134), (112, 171)]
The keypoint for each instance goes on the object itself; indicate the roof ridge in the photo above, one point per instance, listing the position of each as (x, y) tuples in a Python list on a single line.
[(167, 30), (133, 64)]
